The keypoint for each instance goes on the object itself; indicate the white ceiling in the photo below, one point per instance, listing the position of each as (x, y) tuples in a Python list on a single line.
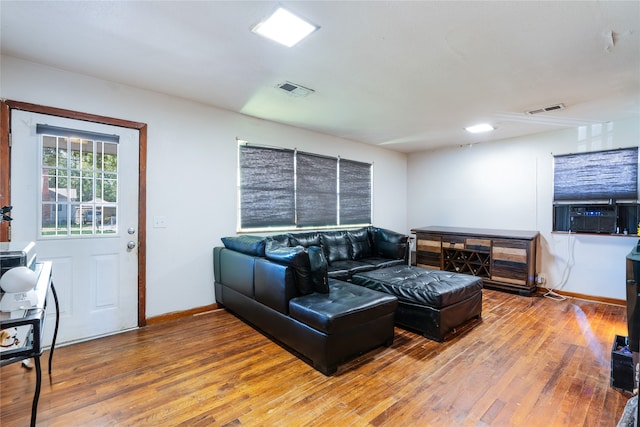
[(406, 75)]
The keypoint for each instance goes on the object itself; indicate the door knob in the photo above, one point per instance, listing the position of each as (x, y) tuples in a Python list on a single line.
[(131, 244)]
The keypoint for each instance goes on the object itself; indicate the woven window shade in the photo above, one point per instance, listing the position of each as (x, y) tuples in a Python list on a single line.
[(266, 187), (281, 188), (355, 192), (598, 175), (316, 192)]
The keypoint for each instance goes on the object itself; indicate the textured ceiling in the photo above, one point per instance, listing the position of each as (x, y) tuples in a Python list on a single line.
[(408, 76)]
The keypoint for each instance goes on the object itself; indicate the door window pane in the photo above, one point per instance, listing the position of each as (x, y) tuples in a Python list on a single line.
[(79, 186)]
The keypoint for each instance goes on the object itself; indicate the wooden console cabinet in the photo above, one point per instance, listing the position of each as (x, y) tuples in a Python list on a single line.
[(505, 259)]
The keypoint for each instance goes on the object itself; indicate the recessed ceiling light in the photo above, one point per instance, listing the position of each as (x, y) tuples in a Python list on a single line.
[(284, 27), (484, 127)]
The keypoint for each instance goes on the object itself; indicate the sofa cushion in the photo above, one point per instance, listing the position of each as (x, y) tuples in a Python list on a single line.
[(250, 245), (282, 239), (336, 246), (377, 262), (389, 244), (360, 241), (311, 238), (318, 265), (344, 307), (296, 257), (344, 269)]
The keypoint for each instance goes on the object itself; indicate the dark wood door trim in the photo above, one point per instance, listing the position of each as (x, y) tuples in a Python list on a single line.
[(5, 165), (5, 171)]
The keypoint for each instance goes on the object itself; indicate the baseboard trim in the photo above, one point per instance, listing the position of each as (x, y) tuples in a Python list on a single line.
[(604, 300), (206, 308), (181, 314)]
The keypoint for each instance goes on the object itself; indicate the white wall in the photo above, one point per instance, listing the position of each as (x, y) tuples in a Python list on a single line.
[(191, 170), (509, 185)]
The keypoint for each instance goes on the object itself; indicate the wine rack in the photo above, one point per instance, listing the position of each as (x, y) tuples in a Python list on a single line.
[(467, 262)]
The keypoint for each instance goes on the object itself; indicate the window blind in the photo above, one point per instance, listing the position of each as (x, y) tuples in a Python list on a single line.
[(75, 133), (267, 191), (316, 190), (597, 175), (355, 192), (281, 188)]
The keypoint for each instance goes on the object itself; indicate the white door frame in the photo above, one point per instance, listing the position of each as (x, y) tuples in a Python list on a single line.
[(5, 165)]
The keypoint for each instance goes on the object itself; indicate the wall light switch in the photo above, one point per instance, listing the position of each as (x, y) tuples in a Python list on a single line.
[(160, 221)]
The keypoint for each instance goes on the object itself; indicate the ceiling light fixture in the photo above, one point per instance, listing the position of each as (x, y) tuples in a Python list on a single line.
[(284, 27), (484, 127)]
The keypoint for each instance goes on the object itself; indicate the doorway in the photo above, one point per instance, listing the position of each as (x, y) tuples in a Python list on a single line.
[(86, 215)]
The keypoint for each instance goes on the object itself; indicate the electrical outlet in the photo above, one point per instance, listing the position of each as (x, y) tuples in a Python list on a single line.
[(541, 279), (159, 221)]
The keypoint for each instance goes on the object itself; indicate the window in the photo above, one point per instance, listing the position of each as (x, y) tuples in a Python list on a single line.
[(79, 182), (284, 189), (596, 192), (267, 191), (598, 175)]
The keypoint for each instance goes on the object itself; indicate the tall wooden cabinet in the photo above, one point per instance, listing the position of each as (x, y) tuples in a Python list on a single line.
[(505, 259)]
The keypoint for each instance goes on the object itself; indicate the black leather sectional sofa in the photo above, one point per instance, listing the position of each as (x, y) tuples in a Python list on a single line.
[(294, 288)]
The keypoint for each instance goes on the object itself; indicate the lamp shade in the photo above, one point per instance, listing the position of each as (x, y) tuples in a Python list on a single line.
[(18, 279)]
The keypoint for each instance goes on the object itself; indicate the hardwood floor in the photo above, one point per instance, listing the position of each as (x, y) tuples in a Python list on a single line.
[(530, 362)]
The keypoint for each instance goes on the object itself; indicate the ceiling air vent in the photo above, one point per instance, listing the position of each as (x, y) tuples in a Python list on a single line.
[(294, 89), (546, 109)]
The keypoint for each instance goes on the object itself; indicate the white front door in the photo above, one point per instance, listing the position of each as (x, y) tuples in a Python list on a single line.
[(74, 191)]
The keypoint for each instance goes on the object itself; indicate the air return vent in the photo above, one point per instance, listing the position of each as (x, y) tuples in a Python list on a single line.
[(546, 109), (294, 89)]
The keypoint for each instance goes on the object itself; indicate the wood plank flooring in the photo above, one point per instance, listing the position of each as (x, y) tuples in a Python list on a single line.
[(530, 362)]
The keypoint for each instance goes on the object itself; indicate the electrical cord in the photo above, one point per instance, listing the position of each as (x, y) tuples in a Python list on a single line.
[(551, 292)]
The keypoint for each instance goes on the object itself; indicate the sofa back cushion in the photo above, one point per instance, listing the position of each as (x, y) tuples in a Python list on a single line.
[(318, 264), (250, 245), (361, 245), (283, 239), (294, 256), (389, 244), (336, 245), (311, 238)]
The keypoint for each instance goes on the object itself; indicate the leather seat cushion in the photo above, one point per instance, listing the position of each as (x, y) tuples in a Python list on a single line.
[(345, 306), (348, 266), (378, 262), (432, 288)]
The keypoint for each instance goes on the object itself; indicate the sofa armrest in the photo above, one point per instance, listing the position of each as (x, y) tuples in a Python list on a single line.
[(234, 270), (274, 284), (391, 244)]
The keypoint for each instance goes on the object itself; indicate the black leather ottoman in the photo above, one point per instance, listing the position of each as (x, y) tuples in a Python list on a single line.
[(432, 302), (352, 319)]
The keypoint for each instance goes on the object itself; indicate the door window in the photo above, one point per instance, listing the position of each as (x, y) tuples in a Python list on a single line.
[(79, 186)]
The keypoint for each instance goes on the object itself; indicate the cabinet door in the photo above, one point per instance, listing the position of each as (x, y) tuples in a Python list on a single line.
[(510, 262), (429, 251)]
